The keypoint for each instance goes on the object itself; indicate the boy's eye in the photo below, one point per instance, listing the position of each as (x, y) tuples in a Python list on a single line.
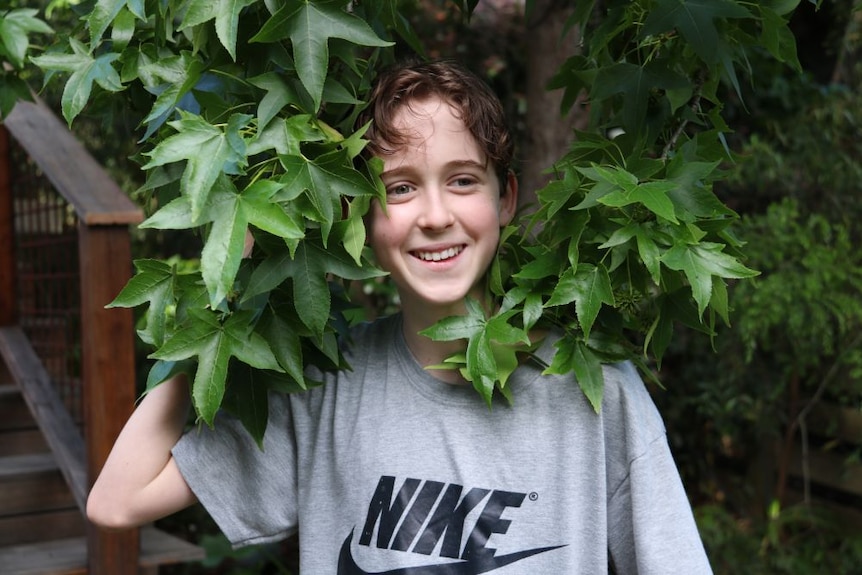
[(399, 190), (464, 181)]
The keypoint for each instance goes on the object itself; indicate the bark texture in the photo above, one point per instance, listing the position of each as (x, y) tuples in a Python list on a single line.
[(548, 131)]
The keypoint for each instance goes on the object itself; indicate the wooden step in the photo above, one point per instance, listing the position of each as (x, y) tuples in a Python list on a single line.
[(32, 483), (18, 431), (35, 502), (46, 525), (69, 556), (14, 413)]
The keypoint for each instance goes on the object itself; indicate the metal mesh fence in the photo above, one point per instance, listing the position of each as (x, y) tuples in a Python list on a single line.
[(46, 244)]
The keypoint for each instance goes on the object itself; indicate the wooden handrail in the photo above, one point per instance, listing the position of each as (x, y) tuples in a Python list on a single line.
[(75, 174), (50, 414)]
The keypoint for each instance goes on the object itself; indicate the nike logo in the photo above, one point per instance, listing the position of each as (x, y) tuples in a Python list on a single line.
[(483, 564)]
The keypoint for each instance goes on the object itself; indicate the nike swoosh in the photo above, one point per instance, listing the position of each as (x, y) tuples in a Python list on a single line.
[(347, 565)]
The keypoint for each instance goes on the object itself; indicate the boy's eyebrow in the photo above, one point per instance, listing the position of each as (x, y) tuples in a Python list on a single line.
[(401, 170)]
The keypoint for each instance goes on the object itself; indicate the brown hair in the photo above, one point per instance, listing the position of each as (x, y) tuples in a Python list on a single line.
[(474, 102)]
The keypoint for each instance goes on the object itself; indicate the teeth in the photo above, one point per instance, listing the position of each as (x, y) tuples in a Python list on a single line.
[(438, 256)]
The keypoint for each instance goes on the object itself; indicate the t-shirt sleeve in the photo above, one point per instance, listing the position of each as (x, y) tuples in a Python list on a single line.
[(248, 491), (650, 519), (651, 527)]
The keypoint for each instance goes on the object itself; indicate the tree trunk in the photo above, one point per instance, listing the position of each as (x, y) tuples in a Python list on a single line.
[(848, 68), (549, 133)]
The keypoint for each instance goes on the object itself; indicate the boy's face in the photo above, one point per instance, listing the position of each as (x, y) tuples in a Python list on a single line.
[(444, 211)]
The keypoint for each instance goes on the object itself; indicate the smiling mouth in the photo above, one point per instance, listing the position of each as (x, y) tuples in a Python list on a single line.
[(439, 256)]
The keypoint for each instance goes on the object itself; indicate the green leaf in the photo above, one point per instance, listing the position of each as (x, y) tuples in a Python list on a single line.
[(557, 193), (279, 94), (310, 25), (161, 371), (207, 150), (286, 136), (352, 229), (226, 14), (482, 366), (215, 343), (284, 337), (101, 17), (701, 262), (545, 265), (500, 330), (455, 327), (323, 181), (691, 196), (123, 30), (153, 283), (179, 75), (261, 211), (695, 20), (222, 252), (15, 27), (649, 252), (589, 286), (84, 71), (573, 355), (309, 268), (247, 397), (652, 195), (12, 90), (635, 83)]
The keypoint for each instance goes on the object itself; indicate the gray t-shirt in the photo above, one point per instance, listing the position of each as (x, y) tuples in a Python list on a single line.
[(385, 469)]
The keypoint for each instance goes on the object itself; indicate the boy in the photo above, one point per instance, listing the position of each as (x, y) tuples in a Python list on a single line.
[(392, 468)]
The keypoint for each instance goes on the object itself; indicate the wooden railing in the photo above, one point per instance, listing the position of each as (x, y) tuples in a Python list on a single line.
[(81, 421)]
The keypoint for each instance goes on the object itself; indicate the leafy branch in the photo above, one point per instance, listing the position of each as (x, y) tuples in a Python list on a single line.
[(248, 110)]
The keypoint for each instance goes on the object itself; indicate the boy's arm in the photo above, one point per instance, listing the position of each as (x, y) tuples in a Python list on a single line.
[(140, 481)]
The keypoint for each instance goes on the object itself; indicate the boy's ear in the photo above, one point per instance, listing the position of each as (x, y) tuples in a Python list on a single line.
[(509, 199)]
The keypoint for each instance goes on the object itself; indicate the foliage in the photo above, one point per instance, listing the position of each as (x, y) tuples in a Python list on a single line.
[(795, 340), (18, 28), (810, 291), (630, 237), (792, 541), (248, 114)]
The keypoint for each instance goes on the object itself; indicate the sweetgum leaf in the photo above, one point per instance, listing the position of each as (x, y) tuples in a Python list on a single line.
[(279, 93), (309, 268), (699, 263), (214, 343), (179, 75), (153, 283), (574, 356), (589, 286), (286, 344), (309, 26), (226, 14), (482, 366), (695, 20), (85, 70), (206, 148), (247, 397), (635, 83), (101, 17), (15, 27), (323, 181), (222, 252), (652, 195)]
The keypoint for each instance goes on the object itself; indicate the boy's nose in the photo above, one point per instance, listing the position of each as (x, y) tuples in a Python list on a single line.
[(436, 212)]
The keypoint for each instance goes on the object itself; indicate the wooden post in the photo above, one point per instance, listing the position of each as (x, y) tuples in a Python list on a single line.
[(109, 376), (8, 291)]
